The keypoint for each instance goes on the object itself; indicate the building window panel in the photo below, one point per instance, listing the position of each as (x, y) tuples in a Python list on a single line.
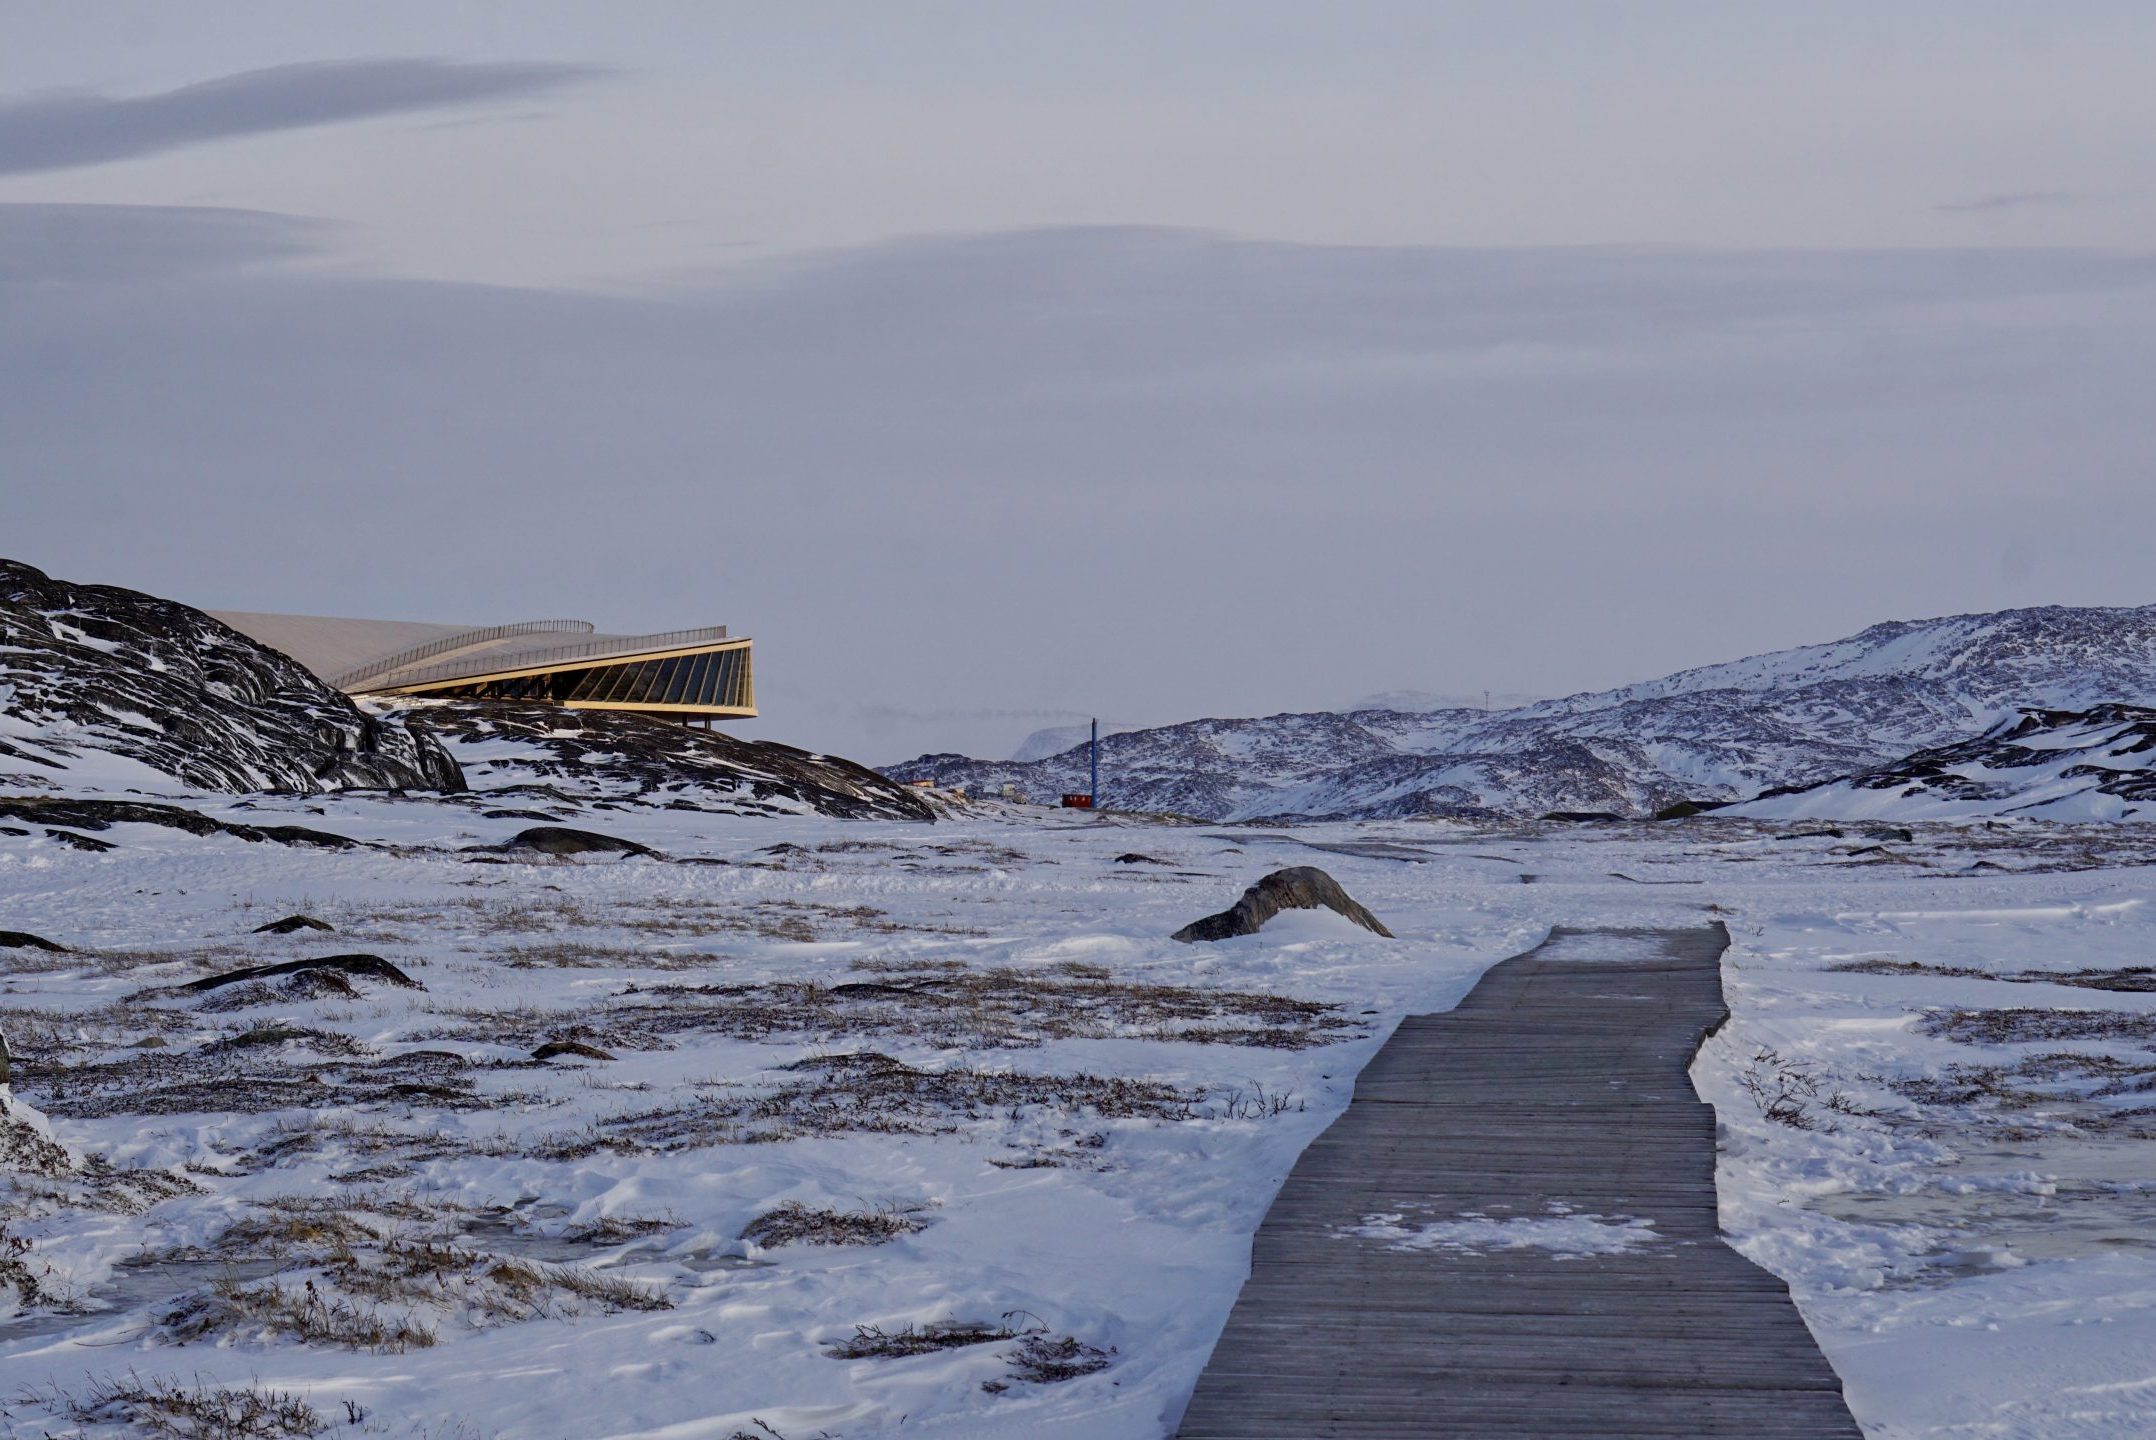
[(700, 688)]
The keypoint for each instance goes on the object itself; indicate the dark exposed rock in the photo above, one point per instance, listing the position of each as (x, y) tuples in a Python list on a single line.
[(80, 842), (371, 967), (1304, 887), (553, 1049), (563, 842), (291, 923), (1686, 809), (1134, 858), (100, 668), (24, 940), (594, 758), (104, 814), (1579, 817), (2098, 762)]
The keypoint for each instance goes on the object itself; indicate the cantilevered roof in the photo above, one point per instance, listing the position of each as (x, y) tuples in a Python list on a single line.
[(329, 645), (363, 656)]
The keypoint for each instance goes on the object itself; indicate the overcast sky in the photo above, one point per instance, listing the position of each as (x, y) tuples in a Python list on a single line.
[(996, 364)]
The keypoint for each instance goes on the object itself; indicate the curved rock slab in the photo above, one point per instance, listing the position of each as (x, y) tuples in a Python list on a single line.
[(1303, 887)]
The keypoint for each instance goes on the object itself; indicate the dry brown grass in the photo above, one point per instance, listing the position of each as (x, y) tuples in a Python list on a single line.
[(982, 1008), (252, 1071), (365, 1282), (230, 1310), (2057, 1091), (2131, 979), (165, 1408), (796, 1224), (873, 1342), (868, 1092), (2023, 1026)]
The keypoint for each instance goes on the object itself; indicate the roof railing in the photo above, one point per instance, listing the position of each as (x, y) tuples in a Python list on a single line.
[(404, 659), (621, 647)]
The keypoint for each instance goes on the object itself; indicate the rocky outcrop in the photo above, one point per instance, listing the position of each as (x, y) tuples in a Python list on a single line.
[(366, 967), (2092, 764), (560, 842), (1304, 887), (605, 758), (96, 814), (92, 672)]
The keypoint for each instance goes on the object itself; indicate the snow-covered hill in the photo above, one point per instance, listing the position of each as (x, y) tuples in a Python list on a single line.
[(2095, 764), (1056, 739), (1723, 732), (102, 687)]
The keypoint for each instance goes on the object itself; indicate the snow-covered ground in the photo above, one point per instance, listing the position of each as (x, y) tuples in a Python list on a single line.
[(973, 1043)]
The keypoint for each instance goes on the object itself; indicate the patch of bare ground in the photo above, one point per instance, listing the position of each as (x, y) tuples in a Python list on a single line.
[(1042, 1360), (873, 1342), (943, 1003), (618, 1229), (868, 1092), (96, 1184), (796, 1224), (307, 1136), (369, 1281), (526, 1027), (1039, 1358), (29, 1280), (1078, 1152), (268, 1067), (2057, 1091), (561, 917), (568, 954), (2131, 979), (2031, 1025), (986, 1008), (230, 1310), (168, 1409), (39, 1034)]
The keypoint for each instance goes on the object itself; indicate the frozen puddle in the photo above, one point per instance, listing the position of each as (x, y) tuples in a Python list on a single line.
[(1562, 1234), (135, 1286), (2050, 1198), (1573, 945)]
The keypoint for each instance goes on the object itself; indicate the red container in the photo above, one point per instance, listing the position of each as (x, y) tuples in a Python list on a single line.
[(1077, 802)]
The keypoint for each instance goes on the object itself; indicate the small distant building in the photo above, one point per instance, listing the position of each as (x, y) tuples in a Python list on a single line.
[(686, 674)]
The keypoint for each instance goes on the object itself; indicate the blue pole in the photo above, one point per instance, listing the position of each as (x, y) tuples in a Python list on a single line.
[(1096, 762)]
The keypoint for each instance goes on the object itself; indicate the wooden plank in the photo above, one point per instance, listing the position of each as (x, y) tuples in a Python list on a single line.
[(1557, 1087)]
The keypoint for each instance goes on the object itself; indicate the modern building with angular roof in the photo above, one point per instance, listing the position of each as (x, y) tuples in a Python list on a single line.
[(686, 674)]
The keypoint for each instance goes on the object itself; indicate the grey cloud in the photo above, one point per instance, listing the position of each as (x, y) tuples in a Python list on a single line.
[(61, 131), (1117, 472), (106, 243), (2016, 200)]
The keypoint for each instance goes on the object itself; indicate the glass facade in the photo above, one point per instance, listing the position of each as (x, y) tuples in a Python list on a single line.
[(710, 680)]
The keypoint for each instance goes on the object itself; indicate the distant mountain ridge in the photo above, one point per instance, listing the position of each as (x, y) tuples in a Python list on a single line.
[(1718, 733)]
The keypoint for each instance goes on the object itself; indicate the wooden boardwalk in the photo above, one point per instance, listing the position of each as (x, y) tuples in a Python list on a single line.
[(1557, 1089)]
